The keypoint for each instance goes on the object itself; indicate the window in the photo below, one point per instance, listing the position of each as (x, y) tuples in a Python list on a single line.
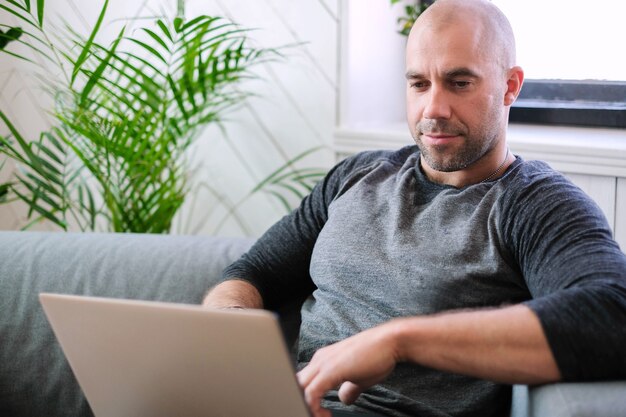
[(572, 56)]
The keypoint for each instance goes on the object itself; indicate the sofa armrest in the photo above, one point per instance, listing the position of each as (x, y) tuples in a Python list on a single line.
[(588, 399)]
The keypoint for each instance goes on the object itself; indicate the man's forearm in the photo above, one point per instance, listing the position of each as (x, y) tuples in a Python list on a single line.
[(506, 344), (233, 294)]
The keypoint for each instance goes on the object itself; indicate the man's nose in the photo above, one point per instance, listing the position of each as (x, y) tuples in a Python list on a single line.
[(437, 104)]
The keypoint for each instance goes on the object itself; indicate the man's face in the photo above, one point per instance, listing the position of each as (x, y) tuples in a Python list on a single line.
[(455, 96)]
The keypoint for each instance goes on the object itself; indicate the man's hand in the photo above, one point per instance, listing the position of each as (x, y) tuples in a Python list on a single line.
[(353, 365), (233, 294)]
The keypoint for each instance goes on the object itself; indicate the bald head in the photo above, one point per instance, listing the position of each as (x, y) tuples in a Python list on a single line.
[(483, 20)]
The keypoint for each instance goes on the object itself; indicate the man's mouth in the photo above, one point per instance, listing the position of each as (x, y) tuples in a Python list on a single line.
[(441, 135), (439, 138)]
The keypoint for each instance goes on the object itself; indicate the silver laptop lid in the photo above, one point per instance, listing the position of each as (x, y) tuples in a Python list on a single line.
[(140, 358)]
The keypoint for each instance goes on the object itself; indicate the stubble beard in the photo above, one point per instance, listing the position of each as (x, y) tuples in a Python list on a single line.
[(445, 159)]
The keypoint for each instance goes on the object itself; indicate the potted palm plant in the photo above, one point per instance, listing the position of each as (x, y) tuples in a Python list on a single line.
[(125, 115)]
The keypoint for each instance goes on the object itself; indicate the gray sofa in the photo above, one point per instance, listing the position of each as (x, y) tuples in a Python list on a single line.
[(35, 379)]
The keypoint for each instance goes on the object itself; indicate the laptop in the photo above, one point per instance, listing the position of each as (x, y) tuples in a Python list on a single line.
[(145, 358)]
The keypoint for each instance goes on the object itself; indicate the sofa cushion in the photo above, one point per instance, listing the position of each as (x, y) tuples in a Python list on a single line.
[(35, 379)]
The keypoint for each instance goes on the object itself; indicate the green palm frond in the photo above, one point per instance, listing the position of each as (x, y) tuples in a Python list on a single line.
[(292, 186), (289, 184), (44, 178), (31, 34), (4, 191), (86, 47), (4, 187)]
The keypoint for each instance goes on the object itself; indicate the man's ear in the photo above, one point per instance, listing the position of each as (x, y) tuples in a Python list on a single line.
[(514, 85)]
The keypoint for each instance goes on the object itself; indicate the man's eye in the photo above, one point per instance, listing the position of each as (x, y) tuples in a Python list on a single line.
[(461, 84), (419, 85)]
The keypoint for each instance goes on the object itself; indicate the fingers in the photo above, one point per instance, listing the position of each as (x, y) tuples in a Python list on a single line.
[(305, 376), (314, 391), (316, 382), (349, 392), (314, 388)]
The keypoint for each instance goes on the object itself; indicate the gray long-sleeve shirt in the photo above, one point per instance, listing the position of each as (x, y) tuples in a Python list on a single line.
[(377, 240)]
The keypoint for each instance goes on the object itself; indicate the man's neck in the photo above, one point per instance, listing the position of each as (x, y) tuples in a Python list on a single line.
[(491, 166)]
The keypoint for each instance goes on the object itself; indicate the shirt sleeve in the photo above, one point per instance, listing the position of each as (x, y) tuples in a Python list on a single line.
[(278, 263), (575, 272)]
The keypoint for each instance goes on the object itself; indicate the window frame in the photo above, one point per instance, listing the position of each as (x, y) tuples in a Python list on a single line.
[(591, 103)]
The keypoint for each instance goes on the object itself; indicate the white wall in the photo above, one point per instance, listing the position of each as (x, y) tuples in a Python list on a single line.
[(294, 110), (372, 64)]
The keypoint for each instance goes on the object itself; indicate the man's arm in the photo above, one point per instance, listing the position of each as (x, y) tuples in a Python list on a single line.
[(233, 294), (506, 345)]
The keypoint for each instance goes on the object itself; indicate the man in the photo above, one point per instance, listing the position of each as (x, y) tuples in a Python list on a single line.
[(442, 273)]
